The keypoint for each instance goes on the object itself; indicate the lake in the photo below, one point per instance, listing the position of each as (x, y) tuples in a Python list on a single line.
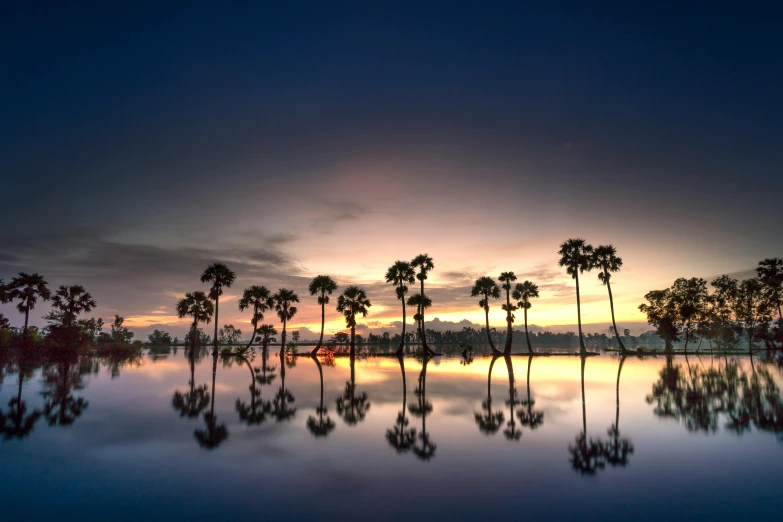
[(390, 439)]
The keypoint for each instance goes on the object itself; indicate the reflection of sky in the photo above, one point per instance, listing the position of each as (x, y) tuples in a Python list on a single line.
[(132, 456)]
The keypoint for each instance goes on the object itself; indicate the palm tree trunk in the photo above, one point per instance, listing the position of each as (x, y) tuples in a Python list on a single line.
[(489, 337), (423, 333), (509, 331), (282, 339), (611, 307), (353, 336), (255, 329), (217, 305), (582, 348), (323, 320), (527, 335), (26, 318), (402, 341)]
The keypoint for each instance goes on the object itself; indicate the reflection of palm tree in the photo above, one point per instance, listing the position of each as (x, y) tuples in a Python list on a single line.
[(255, 413), (586, 455), (214, 434), (399, 273), (617, 450), (511, 432), (489, 422), (400, 437), (523, 293), (530, 418), (192, 403), (486, 287), (281, 404), (575, 255), (60, 406), (266, 376), (17, 423), (350, 406), (323, 286), (425, 449), (221, 277), (320, 427)]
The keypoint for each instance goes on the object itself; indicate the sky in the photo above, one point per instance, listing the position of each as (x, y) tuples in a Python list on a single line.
[(138, 144)]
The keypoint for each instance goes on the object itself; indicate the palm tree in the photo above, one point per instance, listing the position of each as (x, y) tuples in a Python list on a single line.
[(523, 293), (606, 261), (260, 300), (424, 263), (27, 289), (530, 418), (284, 300), (400, 273), (221, 277), (199, 307), (420, 302), (507, 278), (770, 273), (489, 422), (267, 333), (486, 287), (320, 427), (400, 437), (323, 286), (351, 302), (576, 256), (70, 301)]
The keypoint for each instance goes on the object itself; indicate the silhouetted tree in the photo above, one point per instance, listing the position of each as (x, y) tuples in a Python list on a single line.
[(770, 274), (191, 403), (352, 407), (424, 264), (486, 287), (27, 289), (68, 302), (323, 286), (17, 423), (61, 407), (576, 256), (320, 427), (400, 437), (523, 293), (661, 313), (197, 306), (587, 456), (617, 449), (507, 278), (256, 412), (281, 403), (284, 300), (690, 299), (606, 261), (259, 299), (352, 302), (751, 307), (221, 277), (400, 273), (511, 432)]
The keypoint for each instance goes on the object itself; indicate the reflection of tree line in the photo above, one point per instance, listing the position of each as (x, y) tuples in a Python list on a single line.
[(699, 397)]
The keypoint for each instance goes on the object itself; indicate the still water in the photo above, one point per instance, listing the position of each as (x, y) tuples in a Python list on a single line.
[(154, 438)]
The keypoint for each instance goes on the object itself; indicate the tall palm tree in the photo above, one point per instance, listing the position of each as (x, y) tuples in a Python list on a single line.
[(27, 289), (576, 256), (260, 300), (770, 273), (507, 278), (70, 301), (197, 306), (523, 293), (320, 427), (323, 286), (284, 300), (400, 273), (401, 437), (606, 261), (267, 333), (486, 287), (221, 277), (489, 421), (424, 264), (352, 302)]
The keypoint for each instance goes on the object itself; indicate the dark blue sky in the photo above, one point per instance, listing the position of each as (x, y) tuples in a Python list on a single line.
[(166, 127)]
